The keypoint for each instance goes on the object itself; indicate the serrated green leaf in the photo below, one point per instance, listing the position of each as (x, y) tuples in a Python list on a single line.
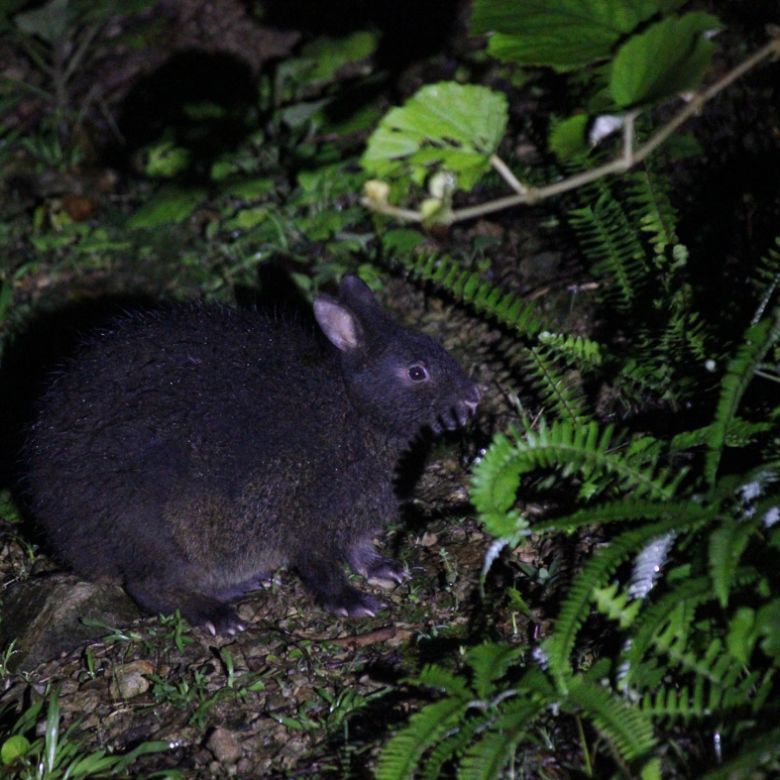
[(445, 125), (668, 58), (559, 33)]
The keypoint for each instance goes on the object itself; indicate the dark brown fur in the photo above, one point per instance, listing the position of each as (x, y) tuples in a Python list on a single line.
[(190, 451)]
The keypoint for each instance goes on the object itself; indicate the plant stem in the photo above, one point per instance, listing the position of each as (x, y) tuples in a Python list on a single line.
[(507, 175), (628, 157), (584, 742)]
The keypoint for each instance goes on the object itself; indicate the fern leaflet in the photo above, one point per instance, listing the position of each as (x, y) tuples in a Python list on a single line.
[(595, 572), (610, 243), (627, 728), (402, 753), (485, 759), (468, 287), (758, 340)]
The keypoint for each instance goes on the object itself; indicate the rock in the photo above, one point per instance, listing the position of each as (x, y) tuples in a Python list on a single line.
[(44, 616), (224, 746), (129, 680)]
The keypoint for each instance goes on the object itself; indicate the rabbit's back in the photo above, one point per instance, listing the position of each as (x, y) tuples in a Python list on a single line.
[(180, 407)]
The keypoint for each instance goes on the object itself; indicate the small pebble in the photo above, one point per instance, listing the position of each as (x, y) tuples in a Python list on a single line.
[(224, 746), (129, 680)]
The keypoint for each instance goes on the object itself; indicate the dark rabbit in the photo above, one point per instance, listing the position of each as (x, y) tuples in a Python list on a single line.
[(187, 452)]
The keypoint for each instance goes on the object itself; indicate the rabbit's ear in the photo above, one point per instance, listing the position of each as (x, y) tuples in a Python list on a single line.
[(354, 290), (338, 323)]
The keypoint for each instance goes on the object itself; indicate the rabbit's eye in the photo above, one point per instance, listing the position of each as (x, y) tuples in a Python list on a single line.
[(418, 372)]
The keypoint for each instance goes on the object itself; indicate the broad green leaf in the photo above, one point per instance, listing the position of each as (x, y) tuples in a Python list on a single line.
[(664, 60), (14, 747), (560, 33), (169, 205), (567, 138), (446, 125)]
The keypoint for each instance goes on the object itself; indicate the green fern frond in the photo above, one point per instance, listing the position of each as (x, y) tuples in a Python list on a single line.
[(667, 626), (758, 340), (402, 753), (651, 770), (609, 241), (488, 662), (715, 665), (627, 728), (449, 749), (685, 334), (754, 758), (618, 607), (468, 287), (659, 365), (557, 392), (578, 350), (623, 510), (767, 279), (583, 449), (740, 433), (751, 691), (494, 485), (670, 704), (675, 609), (551, 362), (726, 545), (434, 676), (487, 758), (594, 574), (648, 198), (642, 377)]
